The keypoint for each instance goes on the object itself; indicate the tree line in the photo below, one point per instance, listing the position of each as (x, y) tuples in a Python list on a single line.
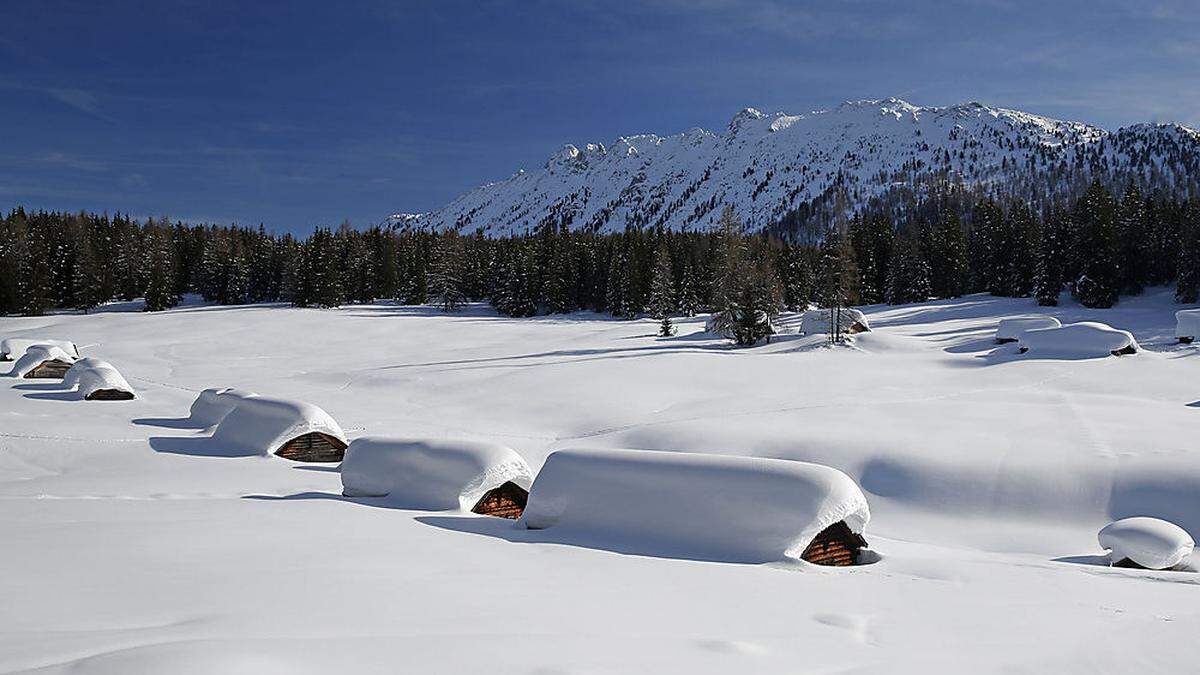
[(1099, 247)]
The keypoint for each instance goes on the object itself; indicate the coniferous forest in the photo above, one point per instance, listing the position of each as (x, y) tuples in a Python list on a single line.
[(1100, 247)]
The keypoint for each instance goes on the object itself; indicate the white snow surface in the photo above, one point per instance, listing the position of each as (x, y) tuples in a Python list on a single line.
[(434, 474), (213, 404), (1150, 542), (709, 507), (13, 348), (1014, 328), (36, 355), (261, 425), (1187, 323), (89, 375), (132, 544), (1086, 339), (818, 321)]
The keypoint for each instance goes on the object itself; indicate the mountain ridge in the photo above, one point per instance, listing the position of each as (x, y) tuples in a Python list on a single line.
[(828, 162)]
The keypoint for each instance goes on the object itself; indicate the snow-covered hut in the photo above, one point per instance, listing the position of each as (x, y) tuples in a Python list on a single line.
[(1146, 542), (1187, 325), (1078, 340), (745, 509), (12, 349), (1010, 330), (439, 474), (273, 426), (212, 405), (97, 380), (820, 321), (42, 361)]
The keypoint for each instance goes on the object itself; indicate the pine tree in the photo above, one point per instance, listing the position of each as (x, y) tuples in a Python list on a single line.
[(1024, 235), (620, 289), (909, 280), (1048, 276), (796, 278), (662, 285), (323, 256), (1187, 288), (1133, 233), (730, 277), (446, 273), (689, 300), (947, 256), (160, 286), (88, 284), (838, 279), (1098, 283), (35, 282)]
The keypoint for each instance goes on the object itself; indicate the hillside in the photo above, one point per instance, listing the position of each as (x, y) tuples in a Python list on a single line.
[(770, 166)]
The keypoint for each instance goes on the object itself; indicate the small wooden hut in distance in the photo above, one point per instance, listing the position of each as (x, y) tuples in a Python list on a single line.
[(43, 361)]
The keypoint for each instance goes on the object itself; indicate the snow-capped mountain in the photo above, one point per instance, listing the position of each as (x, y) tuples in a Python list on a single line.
[(770, 165)]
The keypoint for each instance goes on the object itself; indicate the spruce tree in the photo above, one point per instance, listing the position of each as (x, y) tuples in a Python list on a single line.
[(1187, 288), (446, 272), (947, 255), (1133, 234), (662, 302), (160, 285), (1095, 216), (1048, 275), (909, 280), (35, 281), (730, 277), (88, 284)]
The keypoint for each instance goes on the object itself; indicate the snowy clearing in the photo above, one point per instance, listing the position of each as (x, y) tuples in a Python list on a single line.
[(134, 543)]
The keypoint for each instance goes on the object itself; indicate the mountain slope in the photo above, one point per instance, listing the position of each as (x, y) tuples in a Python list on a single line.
[(835, 161)]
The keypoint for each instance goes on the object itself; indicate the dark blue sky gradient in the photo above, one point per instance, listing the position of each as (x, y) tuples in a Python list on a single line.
[(303, 113)]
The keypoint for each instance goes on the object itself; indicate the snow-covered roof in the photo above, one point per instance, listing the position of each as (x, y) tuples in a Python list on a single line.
[(430, 474), (1150, 542), (1077, 340), (212, 405), (1187, 323), (36, 355), (1011, 329), (14, 348), (818, 321), (262, 425), (745, 509), (89, 375)]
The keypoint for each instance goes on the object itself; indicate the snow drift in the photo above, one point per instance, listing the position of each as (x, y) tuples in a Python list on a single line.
[(94, 378), (1187, 324), (36, 355), (12, 349), (212, 405), (1085, 339), (1011, 330), (742, 509), (819, 321), (1152, 543), (430, 474), (261, 425)]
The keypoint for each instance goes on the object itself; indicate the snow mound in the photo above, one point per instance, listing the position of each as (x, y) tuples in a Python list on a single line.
[(212, 405), (36, 355), (1010, 330), (430, 474), (818, 321), (1187, 324), (1152, 543), (12, 349), (91, 375), (262, 425), (746, 509), (1085, 339)]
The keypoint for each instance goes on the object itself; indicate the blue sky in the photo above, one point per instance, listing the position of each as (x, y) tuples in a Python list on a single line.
[(296, 114)]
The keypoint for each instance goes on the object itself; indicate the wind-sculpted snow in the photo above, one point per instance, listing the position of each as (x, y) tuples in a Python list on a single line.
[(767, 165)]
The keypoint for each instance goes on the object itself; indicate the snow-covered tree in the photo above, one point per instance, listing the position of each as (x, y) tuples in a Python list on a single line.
[(446, 273)]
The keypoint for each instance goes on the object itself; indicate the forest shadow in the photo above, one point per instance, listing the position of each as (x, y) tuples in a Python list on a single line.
[(507, 530), (201, 446), (169, 422)]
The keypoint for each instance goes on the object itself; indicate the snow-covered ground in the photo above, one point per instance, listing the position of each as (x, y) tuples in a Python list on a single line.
[(130, 544)]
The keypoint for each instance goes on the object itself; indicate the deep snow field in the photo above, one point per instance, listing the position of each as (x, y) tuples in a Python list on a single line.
[(128, 545)]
